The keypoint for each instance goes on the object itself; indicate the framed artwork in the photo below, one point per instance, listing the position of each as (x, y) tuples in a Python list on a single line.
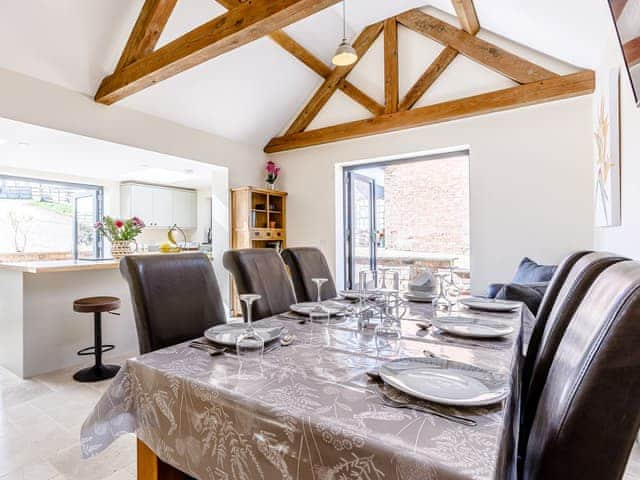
[(626, 17), (607, 148)]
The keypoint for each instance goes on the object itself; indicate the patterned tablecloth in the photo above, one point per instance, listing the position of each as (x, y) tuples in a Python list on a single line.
[(307, 411)]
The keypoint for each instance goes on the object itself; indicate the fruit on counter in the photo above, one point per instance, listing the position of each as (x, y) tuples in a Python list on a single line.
[(167, 247)]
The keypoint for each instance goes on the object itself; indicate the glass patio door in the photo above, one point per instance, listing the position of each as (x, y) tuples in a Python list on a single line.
[(360, 228), (87, 243)]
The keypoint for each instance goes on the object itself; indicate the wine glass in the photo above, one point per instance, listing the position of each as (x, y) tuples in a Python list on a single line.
[(319, 282), (452, 289), (249, 343), (441, 303)]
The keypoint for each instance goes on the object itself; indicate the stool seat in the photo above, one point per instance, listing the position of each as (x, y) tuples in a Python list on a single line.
[(96, 304)]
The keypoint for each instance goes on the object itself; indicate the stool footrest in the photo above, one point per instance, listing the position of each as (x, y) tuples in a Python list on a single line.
[(92, 350)]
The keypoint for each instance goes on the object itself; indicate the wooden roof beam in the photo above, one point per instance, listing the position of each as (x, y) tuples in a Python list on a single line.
[(508, 64), (147, 30), (556, 88), (466, 12), (239, 26), (338, 74)]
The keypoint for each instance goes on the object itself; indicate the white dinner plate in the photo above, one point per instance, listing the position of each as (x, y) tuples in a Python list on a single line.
[(228, 333), (490, 304), (305, 308), (472, 327), (354, 294), (422, 297), (445, 381)]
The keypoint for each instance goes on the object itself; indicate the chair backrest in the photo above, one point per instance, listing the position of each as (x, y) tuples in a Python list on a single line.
[(175, 297), (261, 271), (580, 279), (588, 415), (548, 301), (304, 264)]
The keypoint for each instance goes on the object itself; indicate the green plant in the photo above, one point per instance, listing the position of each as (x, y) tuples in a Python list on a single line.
[(117, 230)]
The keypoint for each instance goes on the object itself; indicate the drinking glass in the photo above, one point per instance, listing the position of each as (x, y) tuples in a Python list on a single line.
[(451, 287), (319, 282), (441, 303), (389, 332), (249, 343)]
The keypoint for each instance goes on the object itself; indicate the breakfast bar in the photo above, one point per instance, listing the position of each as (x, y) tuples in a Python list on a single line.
[(40, 331)]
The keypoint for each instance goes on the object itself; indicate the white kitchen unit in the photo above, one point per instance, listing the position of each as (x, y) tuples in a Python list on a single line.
[(159, 206)]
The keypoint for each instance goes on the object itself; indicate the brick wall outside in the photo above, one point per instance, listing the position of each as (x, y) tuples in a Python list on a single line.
[(427, 206)]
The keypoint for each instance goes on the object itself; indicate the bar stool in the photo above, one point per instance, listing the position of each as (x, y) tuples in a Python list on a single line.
[(96, 305)]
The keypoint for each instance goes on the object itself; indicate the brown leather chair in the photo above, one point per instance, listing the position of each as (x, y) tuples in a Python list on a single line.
[(175, 297), (548, 301), (261, 271), (587, 417), (578, 282), (304, 264)]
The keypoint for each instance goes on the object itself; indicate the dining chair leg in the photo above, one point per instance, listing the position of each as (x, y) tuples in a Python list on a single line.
[(150, 467)]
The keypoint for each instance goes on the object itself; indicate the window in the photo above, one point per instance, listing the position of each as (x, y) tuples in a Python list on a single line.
[(48, 220), (406, 215)]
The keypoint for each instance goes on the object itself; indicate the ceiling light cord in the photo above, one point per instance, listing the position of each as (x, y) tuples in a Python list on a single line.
[(344, 20)]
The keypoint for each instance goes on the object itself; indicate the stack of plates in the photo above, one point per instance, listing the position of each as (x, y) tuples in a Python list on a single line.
[(445, 381), (305, 308), (490, 304), (355, 294), (418, 296), (228, 333), (472, 327)]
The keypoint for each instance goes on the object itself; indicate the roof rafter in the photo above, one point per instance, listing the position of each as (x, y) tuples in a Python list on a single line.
[(338, 74), (508, 64), (239, 26), (466, 12), (391, 82), (556, 88), (314, 63), (146, 31)]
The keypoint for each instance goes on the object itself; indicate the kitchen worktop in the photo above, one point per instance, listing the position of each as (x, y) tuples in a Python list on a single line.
[(52, 266)]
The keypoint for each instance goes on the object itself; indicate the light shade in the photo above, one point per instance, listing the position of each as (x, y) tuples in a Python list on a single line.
[(345, 55)]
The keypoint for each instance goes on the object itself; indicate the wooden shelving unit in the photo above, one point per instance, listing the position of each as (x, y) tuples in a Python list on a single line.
[(258, 220)]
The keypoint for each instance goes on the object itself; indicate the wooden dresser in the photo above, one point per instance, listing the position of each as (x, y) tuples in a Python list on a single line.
[(258, 220)]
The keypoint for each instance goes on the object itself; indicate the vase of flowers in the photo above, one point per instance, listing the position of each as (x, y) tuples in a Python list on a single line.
[(121, 233), (272, 174)]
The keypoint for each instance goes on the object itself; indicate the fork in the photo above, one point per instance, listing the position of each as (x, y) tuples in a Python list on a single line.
[(390, 402)]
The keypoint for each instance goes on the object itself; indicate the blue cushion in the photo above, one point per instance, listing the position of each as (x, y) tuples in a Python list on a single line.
[(531, 272)]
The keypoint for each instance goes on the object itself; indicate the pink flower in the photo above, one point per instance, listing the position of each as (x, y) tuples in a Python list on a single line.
[(277, 171), (271, 167), (137, 222), (98, 225), (118, 223)]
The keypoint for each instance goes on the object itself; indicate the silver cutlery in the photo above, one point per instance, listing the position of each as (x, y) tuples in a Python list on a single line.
[(406, 403), (213, 351)]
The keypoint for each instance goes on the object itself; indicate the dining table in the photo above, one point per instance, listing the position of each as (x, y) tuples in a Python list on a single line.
[(310, 410)]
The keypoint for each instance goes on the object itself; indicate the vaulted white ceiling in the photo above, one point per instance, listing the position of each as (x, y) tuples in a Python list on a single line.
[(251, 93)]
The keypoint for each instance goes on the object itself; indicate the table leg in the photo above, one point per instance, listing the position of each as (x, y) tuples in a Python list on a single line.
[(150, 467)]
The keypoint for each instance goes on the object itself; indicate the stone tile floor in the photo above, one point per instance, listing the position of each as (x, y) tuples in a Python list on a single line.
[(40, 421)]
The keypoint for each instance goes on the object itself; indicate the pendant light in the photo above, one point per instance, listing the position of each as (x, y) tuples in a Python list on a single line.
[(345, 54)]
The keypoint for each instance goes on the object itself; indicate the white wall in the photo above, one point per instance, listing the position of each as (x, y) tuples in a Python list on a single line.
[(531, 168), (30, 100), (530, 194), (624, 239)]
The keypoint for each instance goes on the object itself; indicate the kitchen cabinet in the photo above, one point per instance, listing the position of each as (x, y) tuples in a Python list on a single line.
[(184, 209), (159, 206)]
